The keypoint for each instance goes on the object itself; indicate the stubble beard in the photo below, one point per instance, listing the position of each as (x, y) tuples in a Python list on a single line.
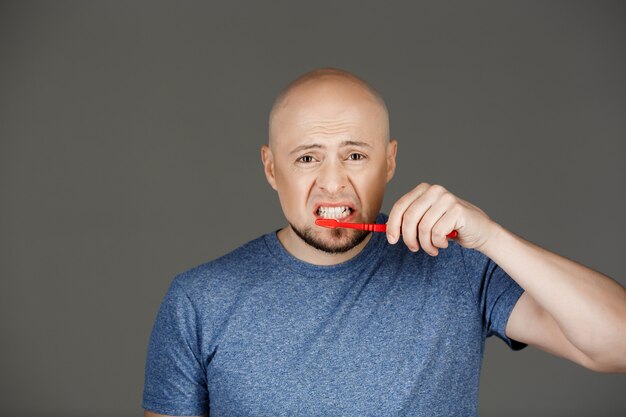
[(310, 238)]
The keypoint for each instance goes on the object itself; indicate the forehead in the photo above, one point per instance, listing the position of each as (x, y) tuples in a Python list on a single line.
[(328, 110)]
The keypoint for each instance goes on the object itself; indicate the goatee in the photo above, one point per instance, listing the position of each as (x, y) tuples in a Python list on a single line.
[(306, 234)]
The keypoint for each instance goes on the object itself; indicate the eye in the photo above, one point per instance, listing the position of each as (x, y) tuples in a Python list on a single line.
[(305, 159), (356, 156)]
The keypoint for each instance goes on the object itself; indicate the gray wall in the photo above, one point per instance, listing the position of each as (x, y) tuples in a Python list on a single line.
[(130, 136)]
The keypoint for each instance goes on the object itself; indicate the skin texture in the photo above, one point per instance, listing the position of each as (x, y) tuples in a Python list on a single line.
[(329, 144), (567, 309)]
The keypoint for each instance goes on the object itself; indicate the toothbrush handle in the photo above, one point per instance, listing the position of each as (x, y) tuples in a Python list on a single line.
[(381, 228), (376, 227)]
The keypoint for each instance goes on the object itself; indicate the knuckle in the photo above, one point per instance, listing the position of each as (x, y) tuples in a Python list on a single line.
[(411, 213), (421, 188), (447, 196), (438, 189), (456, 210), (402, 200)]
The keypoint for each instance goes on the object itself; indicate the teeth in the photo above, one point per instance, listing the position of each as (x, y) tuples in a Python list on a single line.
[(334, 212)]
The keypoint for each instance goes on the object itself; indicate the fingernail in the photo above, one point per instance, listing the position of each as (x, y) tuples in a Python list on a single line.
[(391, 239)]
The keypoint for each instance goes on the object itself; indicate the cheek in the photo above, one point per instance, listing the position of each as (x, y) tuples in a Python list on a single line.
[(371, 187), (292, 189)]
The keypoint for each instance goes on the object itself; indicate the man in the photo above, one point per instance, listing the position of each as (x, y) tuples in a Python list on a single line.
[(316, 321)]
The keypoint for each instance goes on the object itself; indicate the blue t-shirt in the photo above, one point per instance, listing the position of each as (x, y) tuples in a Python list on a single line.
[(389, 332)]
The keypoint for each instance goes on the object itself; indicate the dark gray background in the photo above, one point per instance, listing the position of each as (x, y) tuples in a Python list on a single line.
[(130, 151)]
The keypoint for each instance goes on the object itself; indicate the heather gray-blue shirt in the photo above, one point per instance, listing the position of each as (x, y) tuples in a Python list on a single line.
[(389, 332)]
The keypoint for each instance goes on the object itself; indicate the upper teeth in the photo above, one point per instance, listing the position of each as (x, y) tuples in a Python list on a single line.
[(334, 212)]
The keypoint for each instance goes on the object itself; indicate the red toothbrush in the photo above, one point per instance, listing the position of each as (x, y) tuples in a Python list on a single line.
[(334, 223)]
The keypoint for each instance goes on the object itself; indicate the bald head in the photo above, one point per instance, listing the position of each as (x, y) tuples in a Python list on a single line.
[(333, 89)]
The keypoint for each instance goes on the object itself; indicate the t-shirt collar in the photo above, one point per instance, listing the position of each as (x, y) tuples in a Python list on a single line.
[(370, 253)]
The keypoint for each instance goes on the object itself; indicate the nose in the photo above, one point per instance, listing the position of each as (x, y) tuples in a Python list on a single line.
[(332, 177)]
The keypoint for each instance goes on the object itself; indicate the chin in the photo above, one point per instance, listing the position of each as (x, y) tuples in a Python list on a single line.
[(332, 241)]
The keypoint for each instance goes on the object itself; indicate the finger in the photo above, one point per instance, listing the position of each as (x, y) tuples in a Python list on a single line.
[(414, 213), (412, 217), (396, 214), (444, 225), (428, 221)]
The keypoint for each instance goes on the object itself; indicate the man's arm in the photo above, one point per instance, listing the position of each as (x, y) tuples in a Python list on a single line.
[(567, 309), (147, 413)]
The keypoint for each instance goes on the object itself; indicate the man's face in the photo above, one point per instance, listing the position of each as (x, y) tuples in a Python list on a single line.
[(329, 157)]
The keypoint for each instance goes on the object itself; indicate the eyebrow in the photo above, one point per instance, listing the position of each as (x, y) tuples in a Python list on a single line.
[(341, 145)]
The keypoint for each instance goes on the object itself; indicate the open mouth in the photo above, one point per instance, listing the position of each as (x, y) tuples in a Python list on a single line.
[(335, 212)]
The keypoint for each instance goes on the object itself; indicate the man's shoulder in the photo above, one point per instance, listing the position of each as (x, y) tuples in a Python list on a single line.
[(240, 263)]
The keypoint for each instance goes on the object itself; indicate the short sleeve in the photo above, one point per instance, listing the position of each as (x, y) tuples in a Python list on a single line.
[(175, 378), (496, 292)]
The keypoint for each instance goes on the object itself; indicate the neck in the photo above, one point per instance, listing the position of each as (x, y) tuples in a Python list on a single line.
[(307, 253)]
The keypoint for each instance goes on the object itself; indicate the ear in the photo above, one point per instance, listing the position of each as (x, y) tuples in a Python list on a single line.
[(268, 165), (392, 148)]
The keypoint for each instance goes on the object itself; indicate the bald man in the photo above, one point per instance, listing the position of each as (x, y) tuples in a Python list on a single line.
[(316, 321)]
